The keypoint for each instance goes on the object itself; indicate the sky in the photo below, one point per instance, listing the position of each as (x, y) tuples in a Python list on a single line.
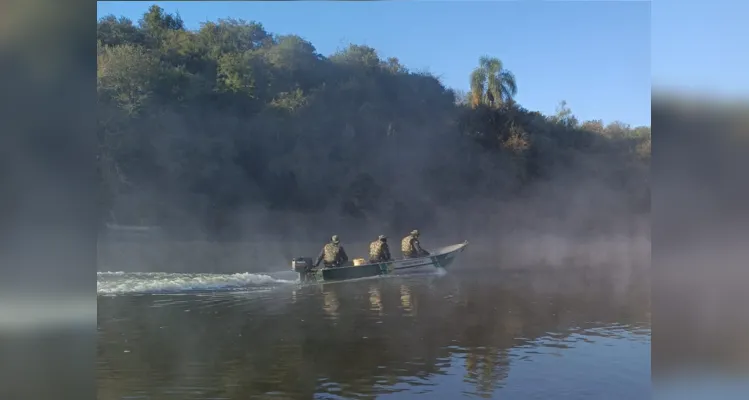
[(596, 56), (701, 46)]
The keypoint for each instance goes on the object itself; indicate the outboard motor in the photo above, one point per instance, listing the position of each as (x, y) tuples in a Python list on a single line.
[(301, 265)]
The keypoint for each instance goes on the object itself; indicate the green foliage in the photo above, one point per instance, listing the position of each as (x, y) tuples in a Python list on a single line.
[(113, 31), (127, 74), (491, 83), (235, 75), (231, 36), (229, 117), (156, 23), (363, 58)]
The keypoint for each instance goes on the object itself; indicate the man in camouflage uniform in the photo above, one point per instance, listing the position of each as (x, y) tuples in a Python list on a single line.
[(411, 247), (379, 251), (332, 254)]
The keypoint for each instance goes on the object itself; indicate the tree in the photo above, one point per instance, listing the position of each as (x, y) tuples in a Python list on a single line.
[(156, 22), (363, 57), (127, 75), (564, 115), (235, 75), (491, 83), (113, 31), (231, 36), (201, 124), (393, 65)]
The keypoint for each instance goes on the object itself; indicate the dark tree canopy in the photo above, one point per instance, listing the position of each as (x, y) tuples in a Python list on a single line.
[(204, 125)]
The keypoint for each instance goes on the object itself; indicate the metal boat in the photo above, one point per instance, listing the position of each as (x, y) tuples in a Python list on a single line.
[(441, 258)]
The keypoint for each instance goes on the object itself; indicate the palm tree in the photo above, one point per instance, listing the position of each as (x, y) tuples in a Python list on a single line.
[(492, 84)]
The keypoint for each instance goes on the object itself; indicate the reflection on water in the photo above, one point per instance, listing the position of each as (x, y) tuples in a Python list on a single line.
[(330, 303), (406, 300), (375, 300), (555, 336)]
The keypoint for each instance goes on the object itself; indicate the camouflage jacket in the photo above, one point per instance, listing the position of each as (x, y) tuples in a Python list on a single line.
[(332, 254), (411, 247), (379, 251)]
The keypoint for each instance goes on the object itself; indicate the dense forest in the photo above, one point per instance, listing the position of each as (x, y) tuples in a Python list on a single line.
[(198, 129)]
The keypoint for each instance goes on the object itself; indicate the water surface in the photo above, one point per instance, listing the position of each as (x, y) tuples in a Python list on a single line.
[(475, 334)]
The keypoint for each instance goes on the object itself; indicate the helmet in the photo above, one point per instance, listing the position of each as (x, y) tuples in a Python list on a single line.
[(415, 232), (382, 237), (334, 239)]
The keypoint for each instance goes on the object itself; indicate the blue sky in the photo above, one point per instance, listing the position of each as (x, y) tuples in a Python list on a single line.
[(700, 46), (594, 55)]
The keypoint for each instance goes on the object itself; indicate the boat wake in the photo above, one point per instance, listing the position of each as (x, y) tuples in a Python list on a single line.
[(116, 283)]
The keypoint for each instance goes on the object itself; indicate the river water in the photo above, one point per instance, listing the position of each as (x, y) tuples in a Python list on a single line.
[(566, 334)]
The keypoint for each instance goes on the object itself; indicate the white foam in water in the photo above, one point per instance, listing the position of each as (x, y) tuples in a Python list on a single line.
[(160, 282)]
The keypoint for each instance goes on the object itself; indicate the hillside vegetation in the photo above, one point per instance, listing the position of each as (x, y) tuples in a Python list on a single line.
[(200, 128)]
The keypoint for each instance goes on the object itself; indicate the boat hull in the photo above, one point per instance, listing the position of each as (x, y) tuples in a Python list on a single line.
[(441, 259)]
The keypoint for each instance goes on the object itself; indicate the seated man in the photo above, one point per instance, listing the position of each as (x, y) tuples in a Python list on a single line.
[(411, 247), (332, 254), (379, 251)]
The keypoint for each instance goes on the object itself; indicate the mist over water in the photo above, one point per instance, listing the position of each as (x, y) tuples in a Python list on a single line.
[(550, 300), (471, 332), (270, 148), (699, 346)]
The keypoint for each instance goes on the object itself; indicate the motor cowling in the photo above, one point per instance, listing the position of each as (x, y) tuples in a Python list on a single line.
[(301, 264)]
